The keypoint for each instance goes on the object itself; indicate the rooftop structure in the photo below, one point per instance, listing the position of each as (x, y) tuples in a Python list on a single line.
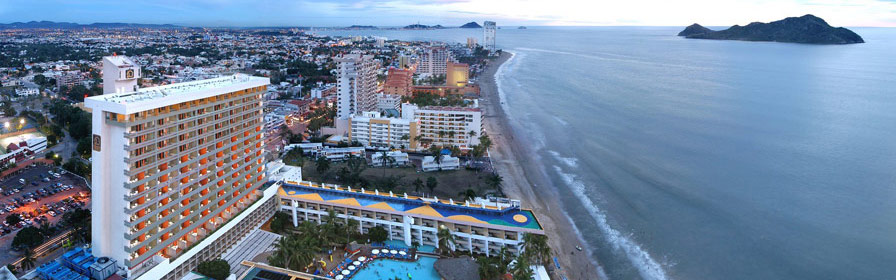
[(479, 228)]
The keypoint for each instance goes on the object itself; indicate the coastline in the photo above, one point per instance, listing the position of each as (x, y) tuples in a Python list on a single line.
[(520, 178)]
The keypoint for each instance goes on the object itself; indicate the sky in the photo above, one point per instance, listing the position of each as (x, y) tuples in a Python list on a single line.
[(324, 13)]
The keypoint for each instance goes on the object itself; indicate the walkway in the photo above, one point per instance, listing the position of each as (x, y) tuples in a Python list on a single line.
[(255, 243)]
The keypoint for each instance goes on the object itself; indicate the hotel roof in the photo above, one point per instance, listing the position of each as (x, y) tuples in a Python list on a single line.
[(155, 97), (442, 209)]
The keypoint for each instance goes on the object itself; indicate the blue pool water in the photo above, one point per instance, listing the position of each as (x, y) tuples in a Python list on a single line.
[(422, 269), (421, 248)]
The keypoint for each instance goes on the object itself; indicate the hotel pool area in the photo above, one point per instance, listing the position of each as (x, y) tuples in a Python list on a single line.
[(422, 269), (421, 248)]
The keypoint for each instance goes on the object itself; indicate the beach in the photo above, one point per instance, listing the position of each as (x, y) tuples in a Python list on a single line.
[(525, 180)]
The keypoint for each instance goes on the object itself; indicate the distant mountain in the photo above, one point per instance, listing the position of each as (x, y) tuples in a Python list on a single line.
[(71, 25), (471, 24), (806, 29), (362, 27), (421, 26)]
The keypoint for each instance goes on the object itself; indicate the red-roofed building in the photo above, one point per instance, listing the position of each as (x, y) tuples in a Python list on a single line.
[(399, 82)]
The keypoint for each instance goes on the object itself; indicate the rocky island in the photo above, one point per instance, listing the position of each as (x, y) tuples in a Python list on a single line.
[(806, 29), (471, 24)]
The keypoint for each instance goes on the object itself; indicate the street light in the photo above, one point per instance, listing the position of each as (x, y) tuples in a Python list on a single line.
[(6, 124), (22, 121)]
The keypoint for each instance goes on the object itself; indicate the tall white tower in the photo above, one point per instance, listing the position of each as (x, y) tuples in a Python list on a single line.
[(355, 85), (489, 35), (120, 74)]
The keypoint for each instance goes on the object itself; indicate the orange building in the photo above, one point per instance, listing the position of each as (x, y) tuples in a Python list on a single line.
[(399, 82)]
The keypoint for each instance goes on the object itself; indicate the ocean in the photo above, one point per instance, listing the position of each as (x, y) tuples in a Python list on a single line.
[(701, 159)]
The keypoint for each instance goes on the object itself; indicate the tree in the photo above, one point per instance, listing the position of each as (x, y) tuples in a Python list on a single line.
[(294, 157), (84, 146), (12, 268), (323, 164), (13, 219), (28, 237), (418, 184), (351, 227), (431, 183), (535, 248), (468, 194), (79, 220), (494, 181), (377, 234), (279, 222), (521, 269), (28, 260), (485, 141), (446, 240), (217, 269)]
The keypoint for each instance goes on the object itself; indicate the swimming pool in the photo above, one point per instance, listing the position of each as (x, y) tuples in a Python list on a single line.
[(421, 248), (422, 269)]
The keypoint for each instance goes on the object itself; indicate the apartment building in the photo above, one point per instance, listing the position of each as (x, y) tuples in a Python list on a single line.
[(434, 60), (371, 130), (399, 82), (488, 35), (171, 166), (477, 227), (69, 79), (446, 126), (386, 102), (458, 74), (355, 85)]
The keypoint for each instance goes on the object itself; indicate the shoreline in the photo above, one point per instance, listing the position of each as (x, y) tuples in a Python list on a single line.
[(521, 177)]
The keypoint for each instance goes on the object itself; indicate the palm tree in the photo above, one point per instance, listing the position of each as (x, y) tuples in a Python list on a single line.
[(351, 227), (494, 181), (521, 269), (535, 248), (472, 133), (468, 195), (418, 184), (446, 240), (28, 260)]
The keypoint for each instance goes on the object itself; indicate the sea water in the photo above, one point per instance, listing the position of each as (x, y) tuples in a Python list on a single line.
[(701, 159)]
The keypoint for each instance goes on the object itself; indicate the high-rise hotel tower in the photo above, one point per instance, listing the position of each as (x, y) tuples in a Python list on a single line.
[(171, 166)]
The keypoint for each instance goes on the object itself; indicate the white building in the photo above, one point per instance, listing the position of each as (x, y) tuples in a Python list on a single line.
[(394, 158), (446, 163), (386, 102), (374, 131), (120, 74), (447, 126), (477, 228), (339, 154), (27, 91), (355, 85), (434, 61), (172, 164), (277, 171), (488, 36), (307, 148)]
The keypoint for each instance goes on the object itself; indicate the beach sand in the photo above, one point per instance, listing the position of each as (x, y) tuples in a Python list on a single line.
[(524, 180)]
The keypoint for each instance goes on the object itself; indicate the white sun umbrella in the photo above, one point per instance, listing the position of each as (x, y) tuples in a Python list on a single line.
[(402, 253), (375, 251), (393, 252), (351, 267), (356, 263), (339, 277), (362, 258), (345, 272)]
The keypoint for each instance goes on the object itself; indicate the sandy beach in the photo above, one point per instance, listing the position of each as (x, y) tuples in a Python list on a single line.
[(524, 180)]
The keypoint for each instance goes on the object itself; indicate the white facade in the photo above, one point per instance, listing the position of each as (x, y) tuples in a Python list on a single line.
[(434, 61), (120, 74), (355, 85), (277, 171), (171, 164), (25, 91), (447, 163), (338, 154), (398, 158), (447, 126), (377, 132), (388, 102), (488, 36), (307, 148)]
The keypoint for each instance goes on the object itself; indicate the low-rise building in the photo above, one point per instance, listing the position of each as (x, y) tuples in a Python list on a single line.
[(340, 154), (373, 131), (477, 228), (445, 162), (390, 158), (447, 126)]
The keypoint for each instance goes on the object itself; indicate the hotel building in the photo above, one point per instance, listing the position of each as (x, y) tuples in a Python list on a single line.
[(488, 35), (174, 169), (355, 85), (446, 126), (399, 82), (373, 131), (477, 228), (458, 74), (434, 60)]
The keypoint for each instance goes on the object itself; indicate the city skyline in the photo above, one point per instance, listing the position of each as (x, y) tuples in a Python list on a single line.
[(336, 13)]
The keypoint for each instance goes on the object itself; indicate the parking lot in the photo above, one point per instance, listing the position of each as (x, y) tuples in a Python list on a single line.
[(43, 198)]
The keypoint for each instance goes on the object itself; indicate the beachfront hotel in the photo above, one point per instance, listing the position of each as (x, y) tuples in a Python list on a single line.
[(477, 228), (434, 60), (488, 35), (175, 169), (371, 130), (446, 126)]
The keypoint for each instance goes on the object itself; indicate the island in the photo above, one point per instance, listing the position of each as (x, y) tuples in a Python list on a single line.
[(807, 29), (471, 24), (418, 26)]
